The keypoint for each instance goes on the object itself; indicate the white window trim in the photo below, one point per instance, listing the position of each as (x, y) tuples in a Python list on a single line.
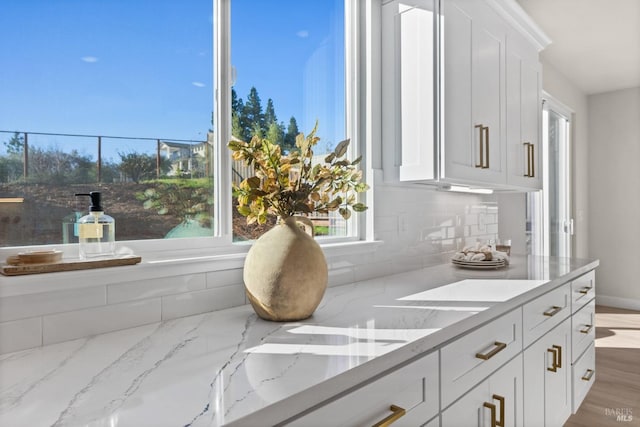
[(192, 255)]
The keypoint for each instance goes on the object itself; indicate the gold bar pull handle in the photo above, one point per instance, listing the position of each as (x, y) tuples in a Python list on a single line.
[(533, 161), (554, 363), (527, 152), (498, 347), (586, 329), (552, 311), (486, 151), (496, 421), (587, 376), (492, 408), (585, 290), (557, 347), (398, 413), (481, 155)]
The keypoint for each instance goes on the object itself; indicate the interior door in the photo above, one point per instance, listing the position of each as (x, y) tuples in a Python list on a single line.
[(549, 220)]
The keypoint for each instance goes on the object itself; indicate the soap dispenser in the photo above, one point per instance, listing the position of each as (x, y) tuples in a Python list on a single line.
[(96, 231)]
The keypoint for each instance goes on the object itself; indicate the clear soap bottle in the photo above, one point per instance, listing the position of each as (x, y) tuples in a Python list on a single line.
[(96, 231)]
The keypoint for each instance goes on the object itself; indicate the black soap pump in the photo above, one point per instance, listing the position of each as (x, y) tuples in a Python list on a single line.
[(96, 231)]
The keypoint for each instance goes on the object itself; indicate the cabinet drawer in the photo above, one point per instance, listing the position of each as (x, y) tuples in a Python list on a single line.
[(545, 312), (413, 388), (583, 330), (583, 290), (471, 358), (584, 375)]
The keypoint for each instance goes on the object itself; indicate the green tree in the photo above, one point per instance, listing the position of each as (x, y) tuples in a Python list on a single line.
[(15, 145), (290, 137), (275, 133), (270, 114), (253, 114), (138, 166)]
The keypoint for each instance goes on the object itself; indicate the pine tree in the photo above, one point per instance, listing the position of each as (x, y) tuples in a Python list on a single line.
[(270, 114), (253, 115), (289, 142), (275, 134)]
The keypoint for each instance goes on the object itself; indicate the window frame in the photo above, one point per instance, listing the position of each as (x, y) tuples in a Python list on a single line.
[(357, 90)]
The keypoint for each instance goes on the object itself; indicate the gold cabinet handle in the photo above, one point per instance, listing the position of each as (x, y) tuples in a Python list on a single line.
[(481, 155), (495, 421), (553, 311), (586, 329), (556, 351), (498, 347), (585, 290), (533, 162), (527, 151), (398, 412), (587, 376), (486, 151)]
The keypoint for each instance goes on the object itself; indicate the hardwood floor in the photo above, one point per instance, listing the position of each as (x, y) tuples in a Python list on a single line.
[(617, 384)]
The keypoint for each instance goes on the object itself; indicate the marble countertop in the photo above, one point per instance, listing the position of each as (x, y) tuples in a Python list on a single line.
[(231, 368)]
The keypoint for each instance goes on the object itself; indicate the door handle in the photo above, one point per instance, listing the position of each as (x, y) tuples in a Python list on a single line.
[(556, 352), (397, 413), (495, 421), (481, 153)]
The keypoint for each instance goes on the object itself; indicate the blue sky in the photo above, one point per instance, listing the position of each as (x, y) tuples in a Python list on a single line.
[(144, 68)]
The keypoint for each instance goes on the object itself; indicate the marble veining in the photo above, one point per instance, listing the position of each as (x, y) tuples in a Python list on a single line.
[(232, 368)]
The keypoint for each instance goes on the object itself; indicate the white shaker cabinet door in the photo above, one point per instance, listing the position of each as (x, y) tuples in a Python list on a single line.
[(524, 114), (547, 375), (474, 93), (495, 401)]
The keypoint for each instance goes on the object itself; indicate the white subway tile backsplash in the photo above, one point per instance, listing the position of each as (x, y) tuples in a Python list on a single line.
[(20, 335), (82, 323), (224, 278), (31, 305), (189, 303), (130, 291)]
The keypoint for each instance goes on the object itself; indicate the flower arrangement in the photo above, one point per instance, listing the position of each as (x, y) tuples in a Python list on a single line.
[(289, 184)]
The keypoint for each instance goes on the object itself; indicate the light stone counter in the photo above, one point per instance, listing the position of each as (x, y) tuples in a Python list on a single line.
[(232, 368)]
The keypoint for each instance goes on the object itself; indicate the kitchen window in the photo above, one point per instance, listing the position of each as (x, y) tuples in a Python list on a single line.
[(138, 101)]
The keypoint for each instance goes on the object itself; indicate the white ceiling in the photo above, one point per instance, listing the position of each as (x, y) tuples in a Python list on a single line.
[(595, 43)]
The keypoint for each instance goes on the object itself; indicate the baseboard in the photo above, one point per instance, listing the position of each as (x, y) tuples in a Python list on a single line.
[(617, 302)]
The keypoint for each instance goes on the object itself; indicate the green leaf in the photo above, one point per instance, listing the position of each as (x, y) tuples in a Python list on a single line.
[(357, 160), (330, 158), (244, 210), (359, 207), (253, 182), (345, 213), (342, 147), (361, 187)]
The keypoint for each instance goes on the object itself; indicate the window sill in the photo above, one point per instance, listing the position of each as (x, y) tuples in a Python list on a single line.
[(156, 265)]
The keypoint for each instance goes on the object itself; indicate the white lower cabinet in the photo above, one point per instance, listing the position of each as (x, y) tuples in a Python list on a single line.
[(547, 375), (407, 396), (584, 374), (497, 401)]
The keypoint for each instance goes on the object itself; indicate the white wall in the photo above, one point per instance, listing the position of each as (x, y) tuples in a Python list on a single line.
[(614, 183), (564, 91)]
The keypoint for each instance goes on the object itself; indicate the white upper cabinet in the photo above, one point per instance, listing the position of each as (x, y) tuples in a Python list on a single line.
[(461, 93), (524, 112), (474, 40)]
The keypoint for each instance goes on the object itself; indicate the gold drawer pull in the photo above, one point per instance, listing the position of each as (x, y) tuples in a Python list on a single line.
[(495, 422), (486, 141), (588, 375), (553, 311), (585, 290), (481, 154), (556, 351), (586, 329), (398, 412), (499, 346)]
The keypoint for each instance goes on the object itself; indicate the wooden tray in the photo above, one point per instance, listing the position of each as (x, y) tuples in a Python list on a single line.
[(67, 265)]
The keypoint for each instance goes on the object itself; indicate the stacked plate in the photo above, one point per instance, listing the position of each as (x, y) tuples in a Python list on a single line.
[(480, 265)]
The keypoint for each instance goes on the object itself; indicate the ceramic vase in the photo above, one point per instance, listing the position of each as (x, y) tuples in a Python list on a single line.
[(285, 272)]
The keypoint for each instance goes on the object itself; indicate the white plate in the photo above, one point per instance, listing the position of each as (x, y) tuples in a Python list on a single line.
[(493, 264)]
